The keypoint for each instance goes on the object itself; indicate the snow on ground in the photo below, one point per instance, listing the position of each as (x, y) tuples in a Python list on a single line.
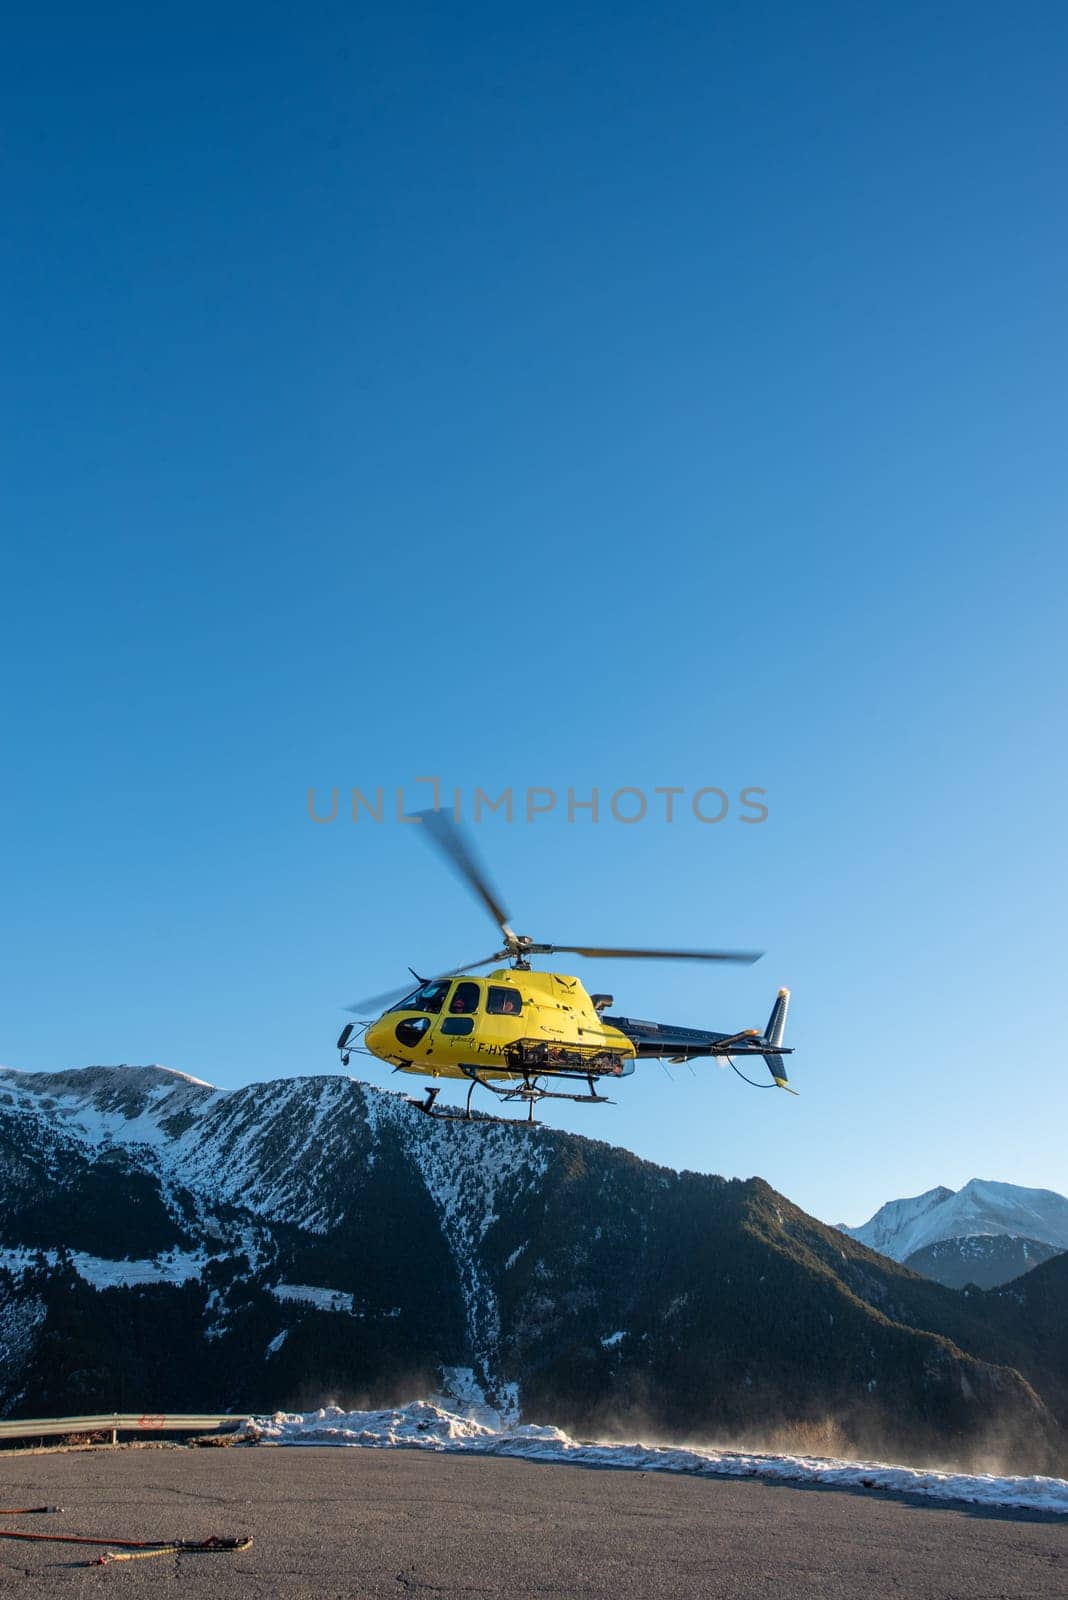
[(307, 1294), (175, 1266), (425, 1426)]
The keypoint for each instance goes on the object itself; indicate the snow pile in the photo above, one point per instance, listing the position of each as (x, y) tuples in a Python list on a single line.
[(424, 1426), (420, 1425)]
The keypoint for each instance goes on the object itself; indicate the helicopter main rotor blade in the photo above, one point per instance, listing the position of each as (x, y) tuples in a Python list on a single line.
[(615, 953), (382, 1002), (450, 839), (378, 1003)]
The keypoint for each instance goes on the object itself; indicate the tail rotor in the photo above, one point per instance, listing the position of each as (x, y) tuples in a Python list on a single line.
[(773, 1035)]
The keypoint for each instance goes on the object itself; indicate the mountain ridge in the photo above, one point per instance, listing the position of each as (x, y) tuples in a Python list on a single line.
[(300, 1240)]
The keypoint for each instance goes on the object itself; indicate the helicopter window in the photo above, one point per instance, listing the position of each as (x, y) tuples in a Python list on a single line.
[(465, 998), (428, 997), (410, 1030), (503, 1002), (457, 1025)]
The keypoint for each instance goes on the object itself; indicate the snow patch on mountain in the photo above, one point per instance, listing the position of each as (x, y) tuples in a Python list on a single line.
[(982, 1208), (307, 1294), (469, 1199), (20, 1318), (105, 1106), (423, 1425), (463, 1396), (176, 1266)]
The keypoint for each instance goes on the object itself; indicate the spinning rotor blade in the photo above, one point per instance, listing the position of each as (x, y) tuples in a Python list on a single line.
[(613, 953), (447, 836), (379, 1002), (382, 1002)]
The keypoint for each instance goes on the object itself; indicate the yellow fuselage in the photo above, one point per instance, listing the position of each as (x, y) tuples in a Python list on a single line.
[(461, 1023)]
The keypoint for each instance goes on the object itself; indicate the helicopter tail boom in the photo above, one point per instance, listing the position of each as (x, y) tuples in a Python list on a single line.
[(666, 1042)]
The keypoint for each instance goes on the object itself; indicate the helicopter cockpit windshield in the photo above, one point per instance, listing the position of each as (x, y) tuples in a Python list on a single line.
[(428, 997)]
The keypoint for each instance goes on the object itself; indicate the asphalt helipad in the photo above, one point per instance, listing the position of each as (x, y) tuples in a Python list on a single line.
[(328, 1522)]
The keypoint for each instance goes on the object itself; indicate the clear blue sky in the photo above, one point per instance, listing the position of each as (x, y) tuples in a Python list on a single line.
[(559, 396)]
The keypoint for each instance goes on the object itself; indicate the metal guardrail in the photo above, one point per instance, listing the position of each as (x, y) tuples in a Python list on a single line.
[(115, 1422)]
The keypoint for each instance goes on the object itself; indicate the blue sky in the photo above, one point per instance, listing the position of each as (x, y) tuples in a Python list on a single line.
[(559, 397)]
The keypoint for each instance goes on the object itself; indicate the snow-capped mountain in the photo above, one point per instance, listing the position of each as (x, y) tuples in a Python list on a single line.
[(985, 1233), (897, 1222), (168, 1245)]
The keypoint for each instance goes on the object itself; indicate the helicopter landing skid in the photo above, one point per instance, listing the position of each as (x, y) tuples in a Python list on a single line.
[(530, 1091), (451, 1114)]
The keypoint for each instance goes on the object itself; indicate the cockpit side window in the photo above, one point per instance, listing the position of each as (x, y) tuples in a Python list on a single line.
[(464, 998), (429, 997), (502, 1002)]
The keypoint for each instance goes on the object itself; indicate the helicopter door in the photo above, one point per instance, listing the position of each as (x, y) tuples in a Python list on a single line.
[(458, 1018), (503, 1022)]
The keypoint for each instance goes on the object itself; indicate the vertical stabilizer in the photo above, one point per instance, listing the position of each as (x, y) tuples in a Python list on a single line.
[(776, 1027), (773, 1035)]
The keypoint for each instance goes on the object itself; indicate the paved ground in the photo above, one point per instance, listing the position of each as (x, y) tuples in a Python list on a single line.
[(371, 1523)]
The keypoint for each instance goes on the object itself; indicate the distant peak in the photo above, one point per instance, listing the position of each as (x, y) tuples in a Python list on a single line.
[(89, 1080), (184, 1077), (983, 1207)]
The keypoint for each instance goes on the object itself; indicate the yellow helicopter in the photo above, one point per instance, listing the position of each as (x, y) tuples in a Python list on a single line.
[(514, 1030)]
